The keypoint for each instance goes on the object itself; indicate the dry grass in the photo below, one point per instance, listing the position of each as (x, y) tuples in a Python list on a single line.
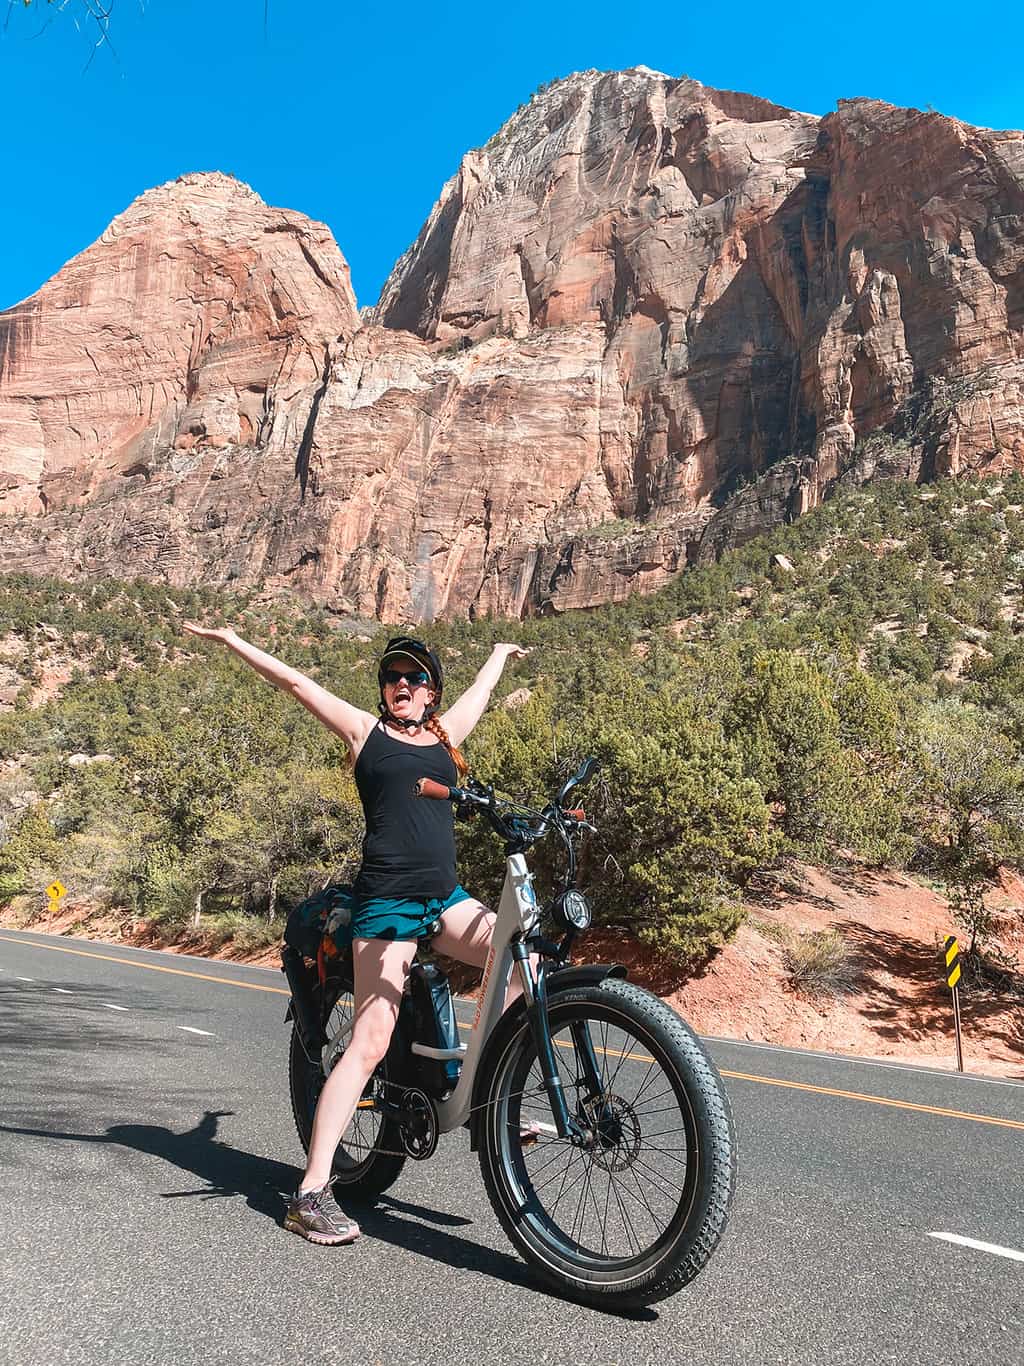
[(23, 911), (770, 929), (244, 932), (819, 964)]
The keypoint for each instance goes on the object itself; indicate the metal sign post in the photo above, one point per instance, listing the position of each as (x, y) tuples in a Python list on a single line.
[(952, 974)]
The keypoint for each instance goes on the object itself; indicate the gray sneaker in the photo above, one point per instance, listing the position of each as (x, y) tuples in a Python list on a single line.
[(317, 1216)]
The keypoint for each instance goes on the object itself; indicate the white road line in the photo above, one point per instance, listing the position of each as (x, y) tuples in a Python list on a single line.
[(189, 1030), (64, 991), (24, 979), (110, 1007), (1010, 1252)]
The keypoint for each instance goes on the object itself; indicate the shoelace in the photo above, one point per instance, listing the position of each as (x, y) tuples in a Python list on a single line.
[(322, 1201)]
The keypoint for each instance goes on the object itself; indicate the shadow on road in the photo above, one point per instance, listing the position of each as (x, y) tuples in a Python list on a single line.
[(227, 1171)]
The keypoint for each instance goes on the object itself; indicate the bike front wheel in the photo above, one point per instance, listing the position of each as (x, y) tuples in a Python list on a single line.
[(634, 1212)]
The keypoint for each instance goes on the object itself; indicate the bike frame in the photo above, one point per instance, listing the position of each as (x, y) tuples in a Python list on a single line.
[(518, 914)]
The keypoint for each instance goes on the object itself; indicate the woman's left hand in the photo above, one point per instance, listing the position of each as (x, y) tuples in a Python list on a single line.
[(512, 651)]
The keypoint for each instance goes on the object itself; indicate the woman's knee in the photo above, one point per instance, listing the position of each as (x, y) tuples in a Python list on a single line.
[(380, 971), (371, 1036)]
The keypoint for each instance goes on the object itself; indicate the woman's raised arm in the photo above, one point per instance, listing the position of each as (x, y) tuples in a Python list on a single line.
[(462, 716), (352, 724)]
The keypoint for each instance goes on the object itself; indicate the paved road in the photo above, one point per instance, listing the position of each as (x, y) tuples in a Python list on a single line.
[(146, 1139)]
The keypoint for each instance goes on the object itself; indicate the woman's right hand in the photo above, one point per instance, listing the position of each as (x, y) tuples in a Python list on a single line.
[(221, 633)]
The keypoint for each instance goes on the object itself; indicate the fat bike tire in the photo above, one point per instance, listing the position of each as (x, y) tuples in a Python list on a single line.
[(363, 1175), (634, 1215)]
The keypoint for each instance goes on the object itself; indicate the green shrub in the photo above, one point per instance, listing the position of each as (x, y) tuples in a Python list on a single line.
[(785, 727)]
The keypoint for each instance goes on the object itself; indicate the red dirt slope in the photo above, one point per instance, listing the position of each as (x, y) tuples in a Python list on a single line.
[(899, 1008)]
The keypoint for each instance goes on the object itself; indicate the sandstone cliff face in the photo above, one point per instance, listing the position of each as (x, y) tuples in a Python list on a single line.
[(182, 327), (647, 320)]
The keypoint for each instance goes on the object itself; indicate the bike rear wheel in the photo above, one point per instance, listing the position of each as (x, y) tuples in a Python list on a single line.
[(635, 1213), (357, 1167)]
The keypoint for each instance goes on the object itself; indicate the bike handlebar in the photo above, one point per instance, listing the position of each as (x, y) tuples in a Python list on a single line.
[(520, 827), (438, 792)]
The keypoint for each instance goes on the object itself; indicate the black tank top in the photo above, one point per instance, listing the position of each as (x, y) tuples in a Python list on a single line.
[(409, 846)]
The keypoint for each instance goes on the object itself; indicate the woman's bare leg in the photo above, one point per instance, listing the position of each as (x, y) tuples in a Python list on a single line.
[(466, 933), (381, 968)]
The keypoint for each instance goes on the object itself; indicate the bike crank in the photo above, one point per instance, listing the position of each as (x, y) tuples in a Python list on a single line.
[(419, 1125), (417, 1120)]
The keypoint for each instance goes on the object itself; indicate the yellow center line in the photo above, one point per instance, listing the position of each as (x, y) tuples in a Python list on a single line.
[(878, 1100), (826, 1090), (151, 967), (608, 1052), (635, 1057)]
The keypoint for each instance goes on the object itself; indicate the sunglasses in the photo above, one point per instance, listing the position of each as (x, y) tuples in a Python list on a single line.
[(417, 679)]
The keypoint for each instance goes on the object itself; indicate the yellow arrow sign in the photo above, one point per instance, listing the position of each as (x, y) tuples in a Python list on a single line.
[(56, 890)]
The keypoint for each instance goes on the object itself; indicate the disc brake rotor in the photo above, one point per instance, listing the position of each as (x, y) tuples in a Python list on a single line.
[(616, 1129)]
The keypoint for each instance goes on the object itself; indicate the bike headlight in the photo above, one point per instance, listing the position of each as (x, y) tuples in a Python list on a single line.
[(573, 909)]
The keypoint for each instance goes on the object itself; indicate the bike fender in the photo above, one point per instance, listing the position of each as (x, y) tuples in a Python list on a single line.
[(558, 979), (585, 975)]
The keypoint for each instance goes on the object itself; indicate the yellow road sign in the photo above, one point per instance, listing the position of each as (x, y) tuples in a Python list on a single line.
[(951, 954), (56, 890), (952, 957)]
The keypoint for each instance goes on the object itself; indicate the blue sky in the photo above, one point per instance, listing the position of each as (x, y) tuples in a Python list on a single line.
[(356, 115)]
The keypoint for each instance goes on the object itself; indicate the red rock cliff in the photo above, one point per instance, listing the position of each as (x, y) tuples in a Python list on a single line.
[(646, 320)]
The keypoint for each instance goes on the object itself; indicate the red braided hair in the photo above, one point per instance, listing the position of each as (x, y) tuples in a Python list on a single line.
[(434, 726)]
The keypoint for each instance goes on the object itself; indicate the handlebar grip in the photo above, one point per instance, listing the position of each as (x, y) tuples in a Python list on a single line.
[(427, 787)]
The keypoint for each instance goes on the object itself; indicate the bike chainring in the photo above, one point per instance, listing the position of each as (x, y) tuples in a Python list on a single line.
[(419, 1124)]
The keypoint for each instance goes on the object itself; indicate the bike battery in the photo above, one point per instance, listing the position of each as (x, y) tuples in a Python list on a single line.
[(436, 1025)]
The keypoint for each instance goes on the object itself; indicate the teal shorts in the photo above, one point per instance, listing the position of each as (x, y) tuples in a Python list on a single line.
[(383, 917)]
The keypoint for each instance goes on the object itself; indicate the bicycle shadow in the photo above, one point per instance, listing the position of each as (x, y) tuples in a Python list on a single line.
[(264, 1183)]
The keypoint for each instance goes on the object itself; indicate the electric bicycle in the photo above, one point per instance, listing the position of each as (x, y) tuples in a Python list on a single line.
[(603, 1131)]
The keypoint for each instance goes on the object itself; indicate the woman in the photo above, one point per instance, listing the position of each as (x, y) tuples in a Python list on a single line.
[(407, 879)]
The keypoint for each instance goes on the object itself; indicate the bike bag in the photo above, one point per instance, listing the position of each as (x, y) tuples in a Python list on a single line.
[(325, 918), (304, 1007), (435, 1025)]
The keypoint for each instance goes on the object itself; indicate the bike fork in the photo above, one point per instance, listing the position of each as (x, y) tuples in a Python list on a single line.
[(536, 992), (584, 1045)]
